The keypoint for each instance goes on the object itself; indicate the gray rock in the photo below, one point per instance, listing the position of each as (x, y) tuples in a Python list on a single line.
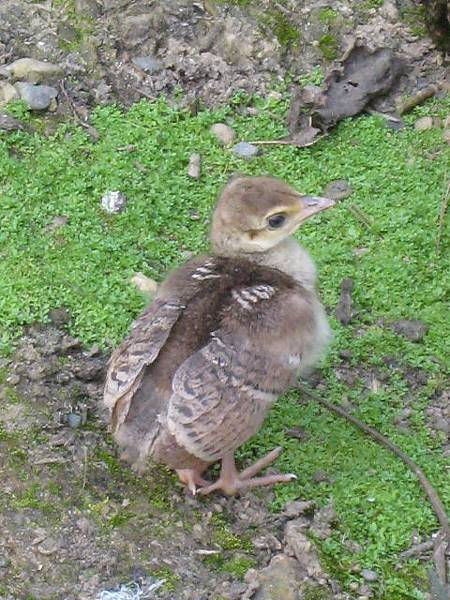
[(423, 123), (194, 167), (32, 70), (74, 420), (446, 135), (279, 580), (88, 8), (7, 93), (59, 316), (114, 202), (246, 150), (223, 133), (57, 222), (149, 64), (442, 424), (38, 97), (411, 329), (369, 575), (338, 190)]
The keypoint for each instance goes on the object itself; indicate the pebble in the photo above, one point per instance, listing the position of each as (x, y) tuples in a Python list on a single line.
[(38, 97), (442, 424), (338, 190), (446, 135), (369, 575), (32, 70), (295, 508), (423, 124), (114, 202), (446, 123), (149, 64), (223, 133), (194, 167), (74, 420), (246, 150), (411, 329)]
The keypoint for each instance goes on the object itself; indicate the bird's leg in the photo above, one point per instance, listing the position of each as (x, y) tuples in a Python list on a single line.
[(191, 479), (231, 482)]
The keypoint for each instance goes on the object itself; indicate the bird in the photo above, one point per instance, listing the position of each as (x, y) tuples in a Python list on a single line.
[(225, 335)]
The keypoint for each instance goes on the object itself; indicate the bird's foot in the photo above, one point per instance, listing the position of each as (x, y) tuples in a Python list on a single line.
[(192, 479), (231, 482)]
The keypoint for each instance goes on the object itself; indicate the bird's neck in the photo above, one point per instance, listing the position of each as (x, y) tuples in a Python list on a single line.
[(288, 256)]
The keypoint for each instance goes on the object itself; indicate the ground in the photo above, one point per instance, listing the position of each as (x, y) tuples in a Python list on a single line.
[(74, 520)]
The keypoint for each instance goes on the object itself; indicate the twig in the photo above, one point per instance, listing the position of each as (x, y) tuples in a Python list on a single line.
[(442, 213), (419, 98), (417, 550), (433, 496)]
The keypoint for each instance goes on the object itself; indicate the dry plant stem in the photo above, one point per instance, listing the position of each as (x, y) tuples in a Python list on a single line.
[(417, 550), (384, 441), (442, 213), (360, 215), (417, 99)]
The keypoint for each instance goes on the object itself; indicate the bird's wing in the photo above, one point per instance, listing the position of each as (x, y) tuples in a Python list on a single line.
[(221, 393), (127, 363)]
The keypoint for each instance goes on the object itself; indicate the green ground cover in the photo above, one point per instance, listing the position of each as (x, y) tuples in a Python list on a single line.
[(398, 180)]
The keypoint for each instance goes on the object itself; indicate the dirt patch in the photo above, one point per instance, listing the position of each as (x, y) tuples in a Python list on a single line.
[(204, 52)]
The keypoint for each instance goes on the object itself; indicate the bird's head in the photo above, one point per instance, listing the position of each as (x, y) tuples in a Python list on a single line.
[(255, 214)]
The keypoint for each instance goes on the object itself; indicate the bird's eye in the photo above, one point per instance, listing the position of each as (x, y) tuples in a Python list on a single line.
[(276, 221)]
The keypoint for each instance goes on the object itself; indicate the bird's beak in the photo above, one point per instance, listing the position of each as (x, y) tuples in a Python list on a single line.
[(312, 205)]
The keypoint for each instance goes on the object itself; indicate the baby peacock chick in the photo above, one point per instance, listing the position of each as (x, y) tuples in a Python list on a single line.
[(225, 335)]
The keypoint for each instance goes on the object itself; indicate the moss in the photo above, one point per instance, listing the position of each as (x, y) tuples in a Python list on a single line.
[(328, 46), (279, 25), (414, 17), (327, 16)]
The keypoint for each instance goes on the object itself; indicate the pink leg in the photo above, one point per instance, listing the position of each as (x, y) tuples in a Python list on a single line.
[(191, 479), (231, 482)]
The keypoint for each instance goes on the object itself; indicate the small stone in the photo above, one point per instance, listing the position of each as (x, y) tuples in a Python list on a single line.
[(4, 562), (369, 575), (33, 71), (59, 316), (354, 586), (48, 546), (74, 420), (423, 124), (38, 97), (320, 476), (194, 167), (298, 545), (149, 64), (7, 93), (8, 123), (246, 150), (86, 526), (295, 508), (411, 329), (446, 123), (338, 189), (114, 202), (223, 133), (446, 135), (145, 284), (57, 222)]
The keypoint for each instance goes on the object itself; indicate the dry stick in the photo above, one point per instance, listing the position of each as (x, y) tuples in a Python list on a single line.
[(417, 99), (384, 441), (442, 213)]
